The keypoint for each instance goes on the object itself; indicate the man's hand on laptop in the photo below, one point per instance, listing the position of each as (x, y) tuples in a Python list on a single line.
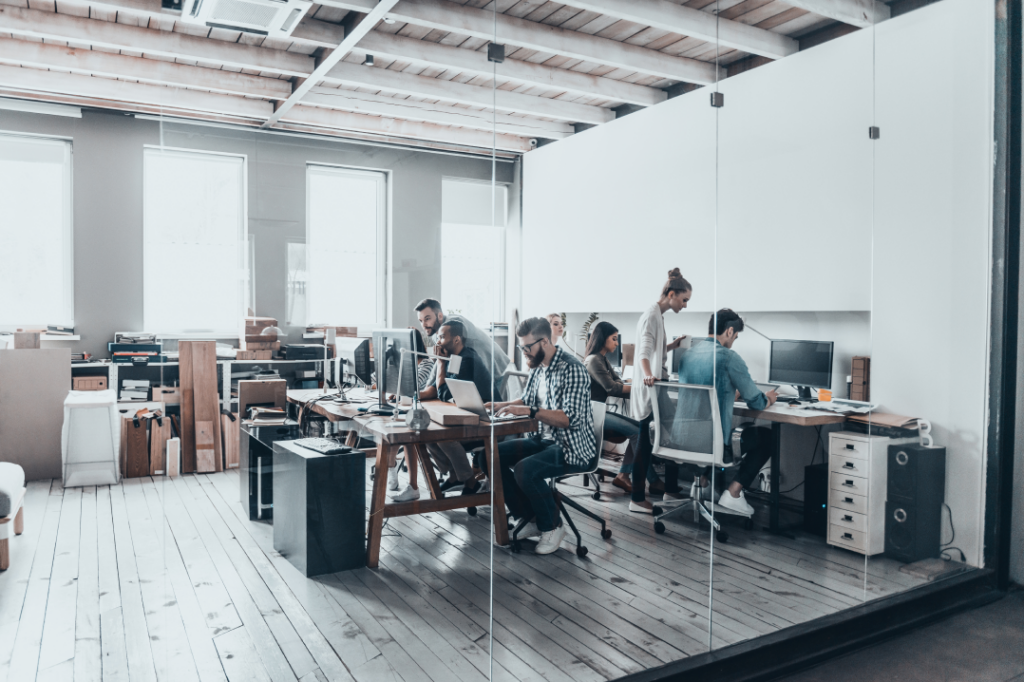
[(517, 410)]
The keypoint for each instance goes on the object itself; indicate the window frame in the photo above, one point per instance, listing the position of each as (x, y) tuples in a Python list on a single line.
[(69, 229), (242, 239), (383, 269)]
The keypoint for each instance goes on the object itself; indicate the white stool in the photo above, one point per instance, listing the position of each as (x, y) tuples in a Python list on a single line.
[(90, 439), (12, 497)]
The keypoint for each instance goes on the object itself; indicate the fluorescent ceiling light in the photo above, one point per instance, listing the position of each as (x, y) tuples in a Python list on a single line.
[(40, 107)]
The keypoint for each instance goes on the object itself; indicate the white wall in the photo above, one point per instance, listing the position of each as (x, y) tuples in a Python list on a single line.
[(880, 246)]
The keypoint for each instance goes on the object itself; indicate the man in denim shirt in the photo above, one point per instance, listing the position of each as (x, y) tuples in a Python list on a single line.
[(713, 361)]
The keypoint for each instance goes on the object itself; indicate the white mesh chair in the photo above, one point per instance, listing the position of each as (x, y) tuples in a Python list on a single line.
[(688, 430)]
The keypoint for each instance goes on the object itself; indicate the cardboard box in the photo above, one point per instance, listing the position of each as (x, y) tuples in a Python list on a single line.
[(89, 383)]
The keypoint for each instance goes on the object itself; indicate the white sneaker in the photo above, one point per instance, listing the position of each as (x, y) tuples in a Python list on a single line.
[(485, 487), (393, 479), (550, 541), (530, 530), (736, 504), (408, 494)]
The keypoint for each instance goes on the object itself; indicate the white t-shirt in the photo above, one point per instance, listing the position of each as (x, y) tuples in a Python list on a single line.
[(546, 430)]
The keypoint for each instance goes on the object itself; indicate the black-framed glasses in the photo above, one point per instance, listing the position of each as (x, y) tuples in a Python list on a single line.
[(527, 347)]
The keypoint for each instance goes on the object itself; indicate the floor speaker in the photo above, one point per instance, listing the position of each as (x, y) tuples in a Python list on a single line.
[(816, 499), (916, 483)]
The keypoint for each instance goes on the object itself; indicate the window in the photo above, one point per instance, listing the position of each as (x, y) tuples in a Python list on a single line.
[(194, 255), (295, 315), (37, 278), (473, 249), (345, 237)]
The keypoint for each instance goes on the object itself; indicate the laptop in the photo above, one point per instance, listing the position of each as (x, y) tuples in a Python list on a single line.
[(467, 398)]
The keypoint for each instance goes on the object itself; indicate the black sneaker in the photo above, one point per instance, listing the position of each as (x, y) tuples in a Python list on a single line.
[(449, 484), (471, 488)]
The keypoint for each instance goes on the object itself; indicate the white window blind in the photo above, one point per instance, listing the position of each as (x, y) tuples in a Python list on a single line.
[(473, 249), (345, 238), (36, 278), (194, 255)]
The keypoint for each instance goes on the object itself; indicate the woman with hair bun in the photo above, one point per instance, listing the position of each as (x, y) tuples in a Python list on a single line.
[(651, 365)]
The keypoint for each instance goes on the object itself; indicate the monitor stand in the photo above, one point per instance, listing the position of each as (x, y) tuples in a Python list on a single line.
[(385, 409), (804, 392)]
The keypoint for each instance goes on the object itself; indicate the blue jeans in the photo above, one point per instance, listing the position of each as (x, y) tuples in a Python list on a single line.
[(526, 463), (624, 427)]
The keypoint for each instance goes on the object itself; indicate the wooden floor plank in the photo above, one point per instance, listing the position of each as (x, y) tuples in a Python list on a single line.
[(240, 657), (195, 614), (14, 582), (113, 646), (109, 583), (25, 657), (88, 659), (172, 655), (270, 655), (58, 644)]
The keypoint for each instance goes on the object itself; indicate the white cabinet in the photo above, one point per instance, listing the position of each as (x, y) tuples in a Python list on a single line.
[(857, 466)]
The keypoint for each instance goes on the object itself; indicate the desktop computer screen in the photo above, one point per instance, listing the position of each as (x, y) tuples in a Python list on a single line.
[(394, 366), (804, 364), (356, 354), (615, 357)]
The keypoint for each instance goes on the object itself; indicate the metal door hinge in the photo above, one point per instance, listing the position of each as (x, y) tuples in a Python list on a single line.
[(495, 53), (874, 133), (718, 99)]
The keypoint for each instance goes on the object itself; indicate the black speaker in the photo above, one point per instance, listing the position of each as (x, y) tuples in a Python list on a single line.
[(816, 499), (912, 532), (913, 510)]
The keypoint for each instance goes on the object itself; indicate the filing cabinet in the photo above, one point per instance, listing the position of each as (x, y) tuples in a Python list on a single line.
[(857, 488)]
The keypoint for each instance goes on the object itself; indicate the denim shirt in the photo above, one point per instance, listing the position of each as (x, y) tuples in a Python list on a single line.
[(708, 361)]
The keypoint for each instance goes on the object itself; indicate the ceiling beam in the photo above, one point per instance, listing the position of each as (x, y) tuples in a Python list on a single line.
[(51, 26), (693, 23), (452, 91), (326, 63), (412, 130), (468, 21), (376, 105), (425, 53), (34, 80), (80, 60), (860, 13)]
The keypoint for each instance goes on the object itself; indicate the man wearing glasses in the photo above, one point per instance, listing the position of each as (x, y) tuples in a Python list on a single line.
[(557, 394)]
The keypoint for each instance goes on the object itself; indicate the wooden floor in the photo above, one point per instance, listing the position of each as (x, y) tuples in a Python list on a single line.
[(165, 579)]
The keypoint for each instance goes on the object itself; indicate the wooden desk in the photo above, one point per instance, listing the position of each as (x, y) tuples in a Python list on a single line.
[(390, 436), (779, 414)]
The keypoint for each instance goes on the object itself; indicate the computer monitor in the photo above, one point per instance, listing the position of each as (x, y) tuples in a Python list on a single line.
[(803, 364), (393, 365), (356, 355), (615, 357)]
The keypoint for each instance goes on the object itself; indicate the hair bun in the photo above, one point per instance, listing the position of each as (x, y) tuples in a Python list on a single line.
[(674, 273)]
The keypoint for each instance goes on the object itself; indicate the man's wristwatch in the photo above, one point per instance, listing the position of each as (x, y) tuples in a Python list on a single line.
[(533, 413)]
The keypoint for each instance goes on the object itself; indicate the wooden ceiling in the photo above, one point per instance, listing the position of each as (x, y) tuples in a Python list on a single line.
[(568, 65)]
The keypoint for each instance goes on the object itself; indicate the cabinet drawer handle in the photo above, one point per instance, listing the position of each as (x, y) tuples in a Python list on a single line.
[(848, 483), (849, 465), (851, 446), (847, 536), (848, 518), (848, 500)]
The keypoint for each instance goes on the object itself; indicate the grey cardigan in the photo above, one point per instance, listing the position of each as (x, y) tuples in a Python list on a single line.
[(604, 382)]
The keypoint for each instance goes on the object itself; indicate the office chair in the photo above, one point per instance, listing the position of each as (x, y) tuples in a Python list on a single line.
[(688, 430), (515, 383), (561, 501)]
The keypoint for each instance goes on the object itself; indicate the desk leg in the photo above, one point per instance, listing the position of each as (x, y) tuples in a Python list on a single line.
[(412, 461), (352, 438), (498, 515), (428, 471), (775, 495), (376, 524)]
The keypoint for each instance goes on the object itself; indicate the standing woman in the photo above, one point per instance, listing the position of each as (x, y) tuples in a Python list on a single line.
[(557, 328), (651, 365)]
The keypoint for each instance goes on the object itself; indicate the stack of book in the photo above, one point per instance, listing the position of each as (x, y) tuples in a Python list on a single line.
[(135, 389), (128, 353), (267, 416)]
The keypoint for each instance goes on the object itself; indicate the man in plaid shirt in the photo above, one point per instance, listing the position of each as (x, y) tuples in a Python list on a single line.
[(557, 395)]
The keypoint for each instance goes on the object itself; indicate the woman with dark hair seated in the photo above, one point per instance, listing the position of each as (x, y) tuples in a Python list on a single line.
[(605, 383)]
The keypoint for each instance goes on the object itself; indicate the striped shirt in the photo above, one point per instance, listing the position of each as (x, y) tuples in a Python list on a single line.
[(567, 384)]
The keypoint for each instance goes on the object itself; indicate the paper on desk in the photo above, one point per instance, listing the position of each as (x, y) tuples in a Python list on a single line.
[(844, 407)]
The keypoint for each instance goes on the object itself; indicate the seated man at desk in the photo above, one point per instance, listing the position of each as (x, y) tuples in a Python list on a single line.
[(431, 318), (557, 394), (450, 457), (713, 361)]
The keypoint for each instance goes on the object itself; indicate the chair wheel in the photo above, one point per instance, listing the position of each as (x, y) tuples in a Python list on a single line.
[(596, 496), (722, 536), (471, 511), (600, 478), (659, 527), (606, 533), (581, 552), (658, 511)]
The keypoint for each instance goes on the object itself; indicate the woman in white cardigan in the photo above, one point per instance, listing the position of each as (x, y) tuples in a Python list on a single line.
[(650, 365)]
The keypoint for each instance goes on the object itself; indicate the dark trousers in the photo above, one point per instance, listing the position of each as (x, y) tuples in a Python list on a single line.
[(756, 456), (526, 464), (643, 459)]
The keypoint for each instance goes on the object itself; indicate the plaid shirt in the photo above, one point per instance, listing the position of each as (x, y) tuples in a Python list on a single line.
[(568, 390)]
